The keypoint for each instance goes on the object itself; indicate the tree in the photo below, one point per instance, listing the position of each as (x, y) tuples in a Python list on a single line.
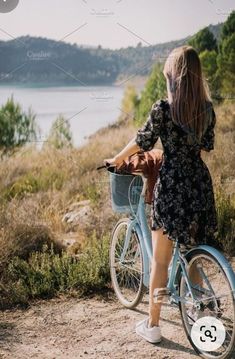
[(209, 64), (205, 44), (203, 40), (60, 135), (228, 28), (155, 89), (209, 67), (128, 103), (226, 57), (16, 126)]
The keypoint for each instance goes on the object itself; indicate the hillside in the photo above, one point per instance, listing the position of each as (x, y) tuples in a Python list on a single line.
[(39, 60), (66, 182)]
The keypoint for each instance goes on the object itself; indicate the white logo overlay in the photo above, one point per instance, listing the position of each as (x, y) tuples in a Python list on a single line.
[(208, 333), (8, 5)]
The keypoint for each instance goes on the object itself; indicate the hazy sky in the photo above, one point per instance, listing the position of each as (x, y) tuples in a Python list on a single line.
[(113, 23)]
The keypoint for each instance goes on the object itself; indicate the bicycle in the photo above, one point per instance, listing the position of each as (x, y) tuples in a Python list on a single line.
[(130, 257)]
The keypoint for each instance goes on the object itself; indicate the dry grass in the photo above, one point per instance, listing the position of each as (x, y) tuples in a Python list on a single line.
[(37, 188), (221, 161)]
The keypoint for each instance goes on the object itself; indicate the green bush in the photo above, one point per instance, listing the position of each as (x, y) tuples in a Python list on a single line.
[(16, 126), (46, 274), (60, 134), (51, 179), (129, 102), (154, 90), (226, 221), (22, 239), (93, 193), (34, 182)]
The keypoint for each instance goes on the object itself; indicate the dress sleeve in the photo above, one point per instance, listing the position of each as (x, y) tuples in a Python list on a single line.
[(149, 133), (207, 141)]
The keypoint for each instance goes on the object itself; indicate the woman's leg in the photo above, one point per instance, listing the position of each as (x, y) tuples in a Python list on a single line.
[(162, 253), (195, 278)]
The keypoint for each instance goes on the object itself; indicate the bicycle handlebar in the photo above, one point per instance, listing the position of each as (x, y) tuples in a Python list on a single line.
[(107, 165)]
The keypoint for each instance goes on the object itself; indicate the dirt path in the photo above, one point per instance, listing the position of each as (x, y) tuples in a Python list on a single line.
[(93, 328)]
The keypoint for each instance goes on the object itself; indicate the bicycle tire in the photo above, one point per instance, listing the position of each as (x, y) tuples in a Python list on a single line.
[(131, 304), (189, 257)]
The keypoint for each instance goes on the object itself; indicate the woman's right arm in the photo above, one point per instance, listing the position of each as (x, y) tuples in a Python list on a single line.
[(128, 150), (146, 136)]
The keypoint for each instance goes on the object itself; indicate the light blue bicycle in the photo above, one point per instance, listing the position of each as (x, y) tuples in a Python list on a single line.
[(130, 259)]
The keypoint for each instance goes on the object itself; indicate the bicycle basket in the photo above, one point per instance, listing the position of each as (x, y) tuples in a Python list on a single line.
[(125, 191)]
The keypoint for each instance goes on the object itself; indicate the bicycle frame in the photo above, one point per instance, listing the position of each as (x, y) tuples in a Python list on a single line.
[(183, 290), (139, 224)]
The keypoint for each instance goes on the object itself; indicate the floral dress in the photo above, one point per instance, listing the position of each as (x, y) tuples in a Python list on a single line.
[(183, 201)]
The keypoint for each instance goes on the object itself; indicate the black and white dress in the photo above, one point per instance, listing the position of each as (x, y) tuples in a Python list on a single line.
[(183, 201)]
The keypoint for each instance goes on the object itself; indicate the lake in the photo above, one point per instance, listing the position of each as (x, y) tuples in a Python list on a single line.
[(87, 108)]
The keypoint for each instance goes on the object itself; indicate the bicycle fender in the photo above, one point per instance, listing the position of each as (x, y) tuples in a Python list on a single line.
[(224, 263), (219, 257)]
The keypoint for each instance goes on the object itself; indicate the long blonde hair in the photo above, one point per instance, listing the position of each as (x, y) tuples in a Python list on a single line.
[(189, 91)]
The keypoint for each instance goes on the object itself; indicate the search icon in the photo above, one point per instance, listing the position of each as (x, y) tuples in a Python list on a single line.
[(208, 334)]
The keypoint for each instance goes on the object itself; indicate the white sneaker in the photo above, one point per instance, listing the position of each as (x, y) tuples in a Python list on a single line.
[(152, 335)]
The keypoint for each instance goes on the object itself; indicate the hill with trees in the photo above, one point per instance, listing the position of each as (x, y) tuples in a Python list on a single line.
[(39, 60), (55, 210)]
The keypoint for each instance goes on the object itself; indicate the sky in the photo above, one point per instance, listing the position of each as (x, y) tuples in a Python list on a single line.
[(112, 23)]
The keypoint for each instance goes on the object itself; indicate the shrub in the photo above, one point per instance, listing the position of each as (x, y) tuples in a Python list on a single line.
[(129, 101), (60, 134), (16, 126), (31, 183), (226, 221), (23, 239), (154, 90), (47, 273)]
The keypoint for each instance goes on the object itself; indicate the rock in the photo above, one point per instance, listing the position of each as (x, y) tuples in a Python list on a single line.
[(78, 213), (79, 204)]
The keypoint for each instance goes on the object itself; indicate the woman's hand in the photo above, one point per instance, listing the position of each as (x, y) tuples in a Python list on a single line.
[(115, 161)]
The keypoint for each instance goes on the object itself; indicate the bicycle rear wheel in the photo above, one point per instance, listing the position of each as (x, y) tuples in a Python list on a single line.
[(126, 274), (215, 297)]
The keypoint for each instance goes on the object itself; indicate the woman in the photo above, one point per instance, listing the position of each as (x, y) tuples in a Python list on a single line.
[(183, 206)]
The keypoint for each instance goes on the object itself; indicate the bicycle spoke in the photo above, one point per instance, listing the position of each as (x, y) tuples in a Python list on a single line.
[(126, 268), (212, 292)]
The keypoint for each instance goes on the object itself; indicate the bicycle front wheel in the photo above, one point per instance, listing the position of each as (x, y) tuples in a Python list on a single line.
[(214, 295), (127, 272)]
